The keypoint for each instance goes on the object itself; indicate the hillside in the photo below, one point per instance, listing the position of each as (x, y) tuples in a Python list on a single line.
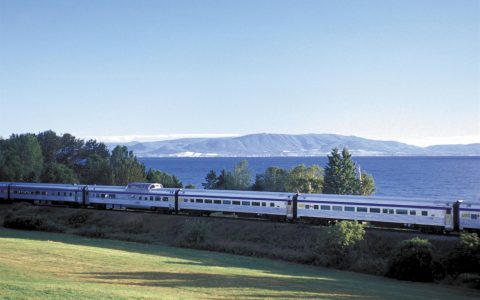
[(289, 145), (38, 265)]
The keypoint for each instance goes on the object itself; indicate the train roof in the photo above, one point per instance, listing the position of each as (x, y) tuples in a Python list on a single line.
[(247, 194), (374, 199), (47, 185)]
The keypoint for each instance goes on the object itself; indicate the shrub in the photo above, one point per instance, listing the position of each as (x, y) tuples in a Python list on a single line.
[(193, 233), (465, 257), (412, 260), (338, 241), (344, 235)]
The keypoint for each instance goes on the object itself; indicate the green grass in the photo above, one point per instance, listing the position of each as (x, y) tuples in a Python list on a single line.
[(46, 265)]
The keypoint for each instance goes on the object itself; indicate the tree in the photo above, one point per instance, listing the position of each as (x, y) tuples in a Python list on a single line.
[(365, 184), (211, 180), (22, 157), (97, 171), (224, 180), (303, 179), (58, 173), (274, 179), (242, 176), (167, 180), (70, 150), (340, 176), (125, 167), (50, 144)]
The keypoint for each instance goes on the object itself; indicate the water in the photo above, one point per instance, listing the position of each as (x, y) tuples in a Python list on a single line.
[(433, 177)]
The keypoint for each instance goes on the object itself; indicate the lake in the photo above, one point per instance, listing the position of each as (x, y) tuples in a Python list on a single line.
[(432, 177)]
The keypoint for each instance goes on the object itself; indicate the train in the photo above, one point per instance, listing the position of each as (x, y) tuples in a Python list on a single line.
[(424, 214)]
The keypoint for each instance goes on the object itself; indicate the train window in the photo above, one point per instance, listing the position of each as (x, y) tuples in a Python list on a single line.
[(246, 203), (272, 204), (58, 193), (336, 208), (37, 192), (402, 211), (71, 194), (165, 199), (236, 202), (158, 199), (349, 208), (65, 194), (315, 206), (192, 200), (325, 207), (474, 216), (255, 203), (424, 213), (217, 201), (185, 200), (449, 211), (151, 198), (289, 202), (264, 203), (198, 200), (362, 209), (228, 202), (208, 201), (413, 212), (307, 206), (385, 210), (375, 210)]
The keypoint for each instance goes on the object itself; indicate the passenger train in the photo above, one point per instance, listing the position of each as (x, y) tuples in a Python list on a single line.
[(444, 215)]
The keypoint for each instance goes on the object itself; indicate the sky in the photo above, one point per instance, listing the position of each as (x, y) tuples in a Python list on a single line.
[(129, 70)]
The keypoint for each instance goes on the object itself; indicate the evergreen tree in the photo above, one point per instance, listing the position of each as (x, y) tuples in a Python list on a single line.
[(58, 173), (211, 180), (22, 158), (340, 176), (125, 167)]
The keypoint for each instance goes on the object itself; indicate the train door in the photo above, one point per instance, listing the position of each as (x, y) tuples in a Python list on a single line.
[(289, 209), (448, 219)]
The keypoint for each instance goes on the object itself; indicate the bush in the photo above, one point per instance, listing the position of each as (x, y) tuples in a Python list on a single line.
[(30, 223), (412, 260), (192, 234), (338, 241), (465, 258)]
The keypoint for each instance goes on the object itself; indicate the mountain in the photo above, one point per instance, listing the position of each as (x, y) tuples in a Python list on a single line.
[(265, 144)]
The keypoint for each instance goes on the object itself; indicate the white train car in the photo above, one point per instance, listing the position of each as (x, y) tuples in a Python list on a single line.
[(407, 211), (47, 193), (469, 214), (246, 202), (151, 196)]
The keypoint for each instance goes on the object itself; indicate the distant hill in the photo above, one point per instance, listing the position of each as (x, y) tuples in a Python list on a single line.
[(265, 144)]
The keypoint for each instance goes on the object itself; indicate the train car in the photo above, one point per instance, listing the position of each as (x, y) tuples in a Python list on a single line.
[(383, 210), (4, 190), (469, 214), (47, 193), (150, 196), (241, 202)]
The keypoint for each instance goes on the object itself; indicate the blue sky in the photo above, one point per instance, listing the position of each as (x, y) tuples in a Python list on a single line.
[(401, 70)]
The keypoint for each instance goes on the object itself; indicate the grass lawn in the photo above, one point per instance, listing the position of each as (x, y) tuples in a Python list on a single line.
[(46, 265)]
